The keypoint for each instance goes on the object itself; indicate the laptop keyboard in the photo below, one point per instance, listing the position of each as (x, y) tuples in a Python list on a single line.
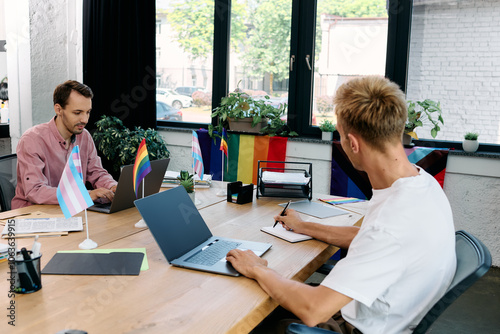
[(103, 205), (214, 253)]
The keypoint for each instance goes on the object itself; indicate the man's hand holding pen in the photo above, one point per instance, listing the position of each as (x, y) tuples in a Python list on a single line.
[(290, 220)]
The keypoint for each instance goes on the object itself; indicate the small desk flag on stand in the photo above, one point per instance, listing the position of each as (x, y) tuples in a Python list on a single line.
[(223, 148), (142, 166), (197, 159), (72, 195), (223, 141)]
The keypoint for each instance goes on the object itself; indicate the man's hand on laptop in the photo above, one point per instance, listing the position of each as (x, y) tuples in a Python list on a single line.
[(102, 193), (245, 262)]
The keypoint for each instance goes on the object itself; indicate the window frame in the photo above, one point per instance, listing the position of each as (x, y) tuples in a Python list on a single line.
[(301, 79)]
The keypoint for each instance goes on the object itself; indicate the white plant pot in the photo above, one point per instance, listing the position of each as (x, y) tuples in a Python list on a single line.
[(326, 135), (470, 145)]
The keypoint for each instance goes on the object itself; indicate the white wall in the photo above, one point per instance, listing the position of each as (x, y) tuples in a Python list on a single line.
[(455, 59), (44, 49), (3, 37), (472, 185)]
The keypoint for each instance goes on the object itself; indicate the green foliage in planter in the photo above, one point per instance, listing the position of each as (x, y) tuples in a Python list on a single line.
[(119, 144), (471, 136), (186, 180), (420, 112), (327, 126), (240, 105)]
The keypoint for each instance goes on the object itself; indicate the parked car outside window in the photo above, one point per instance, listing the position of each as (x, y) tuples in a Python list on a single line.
[(173, 99), (165, 112), (188, 90)]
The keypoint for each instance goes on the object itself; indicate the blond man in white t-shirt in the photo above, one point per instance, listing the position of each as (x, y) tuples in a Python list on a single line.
[(402, 259)]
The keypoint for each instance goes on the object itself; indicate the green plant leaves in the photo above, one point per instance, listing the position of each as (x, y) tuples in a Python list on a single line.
[(119, 144)]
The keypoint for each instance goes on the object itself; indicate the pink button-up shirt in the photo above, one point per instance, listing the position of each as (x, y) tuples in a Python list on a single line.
[(41, 157)]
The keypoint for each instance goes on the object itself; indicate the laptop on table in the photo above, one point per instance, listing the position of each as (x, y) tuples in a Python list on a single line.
[(184, 237), (125, 195)]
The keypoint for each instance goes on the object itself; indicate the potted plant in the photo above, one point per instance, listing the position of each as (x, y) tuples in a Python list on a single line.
[(118, 144), (187, 181), (420, 113), (240, 112), (327, 128), (470, 143)]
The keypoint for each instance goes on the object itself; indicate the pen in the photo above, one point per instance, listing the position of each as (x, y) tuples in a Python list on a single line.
[(31, 269), (283, 212)]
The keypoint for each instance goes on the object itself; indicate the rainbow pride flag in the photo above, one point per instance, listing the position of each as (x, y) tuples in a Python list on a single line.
[(142, 166), (244, 151), (223, 142)]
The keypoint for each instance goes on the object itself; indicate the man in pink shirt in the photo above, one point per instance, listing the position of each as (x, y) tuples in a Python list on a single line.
[(43, 150)]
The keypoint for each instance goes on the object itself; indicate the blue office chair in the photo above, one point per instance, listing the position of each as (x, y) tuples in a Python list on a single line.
[(473, 261), (8, 180)]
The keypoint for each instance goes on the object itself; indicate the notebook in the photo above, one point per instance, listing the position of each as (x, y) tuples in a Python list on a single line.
[(184, 237), (125, 195), (280, 232)]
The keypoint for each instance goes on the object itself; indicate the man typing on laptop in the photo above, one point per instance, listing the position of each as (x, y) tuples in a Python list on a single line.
[(43, 150), (401, 260)]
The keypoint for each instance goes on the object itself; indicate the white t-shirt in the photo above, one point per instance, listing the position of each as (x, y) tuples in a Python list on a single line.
[(401, 261)]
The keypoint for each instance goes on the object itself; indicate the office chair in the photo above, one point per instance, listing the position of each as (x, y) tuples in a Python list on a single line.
[(8, 180), (473, 261)]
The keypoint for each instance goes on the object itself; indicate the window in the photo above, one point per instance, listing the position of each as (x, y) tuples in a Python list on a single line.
[(260, 49), (454, 58), (351, 41), (285, 49), (184, 34)]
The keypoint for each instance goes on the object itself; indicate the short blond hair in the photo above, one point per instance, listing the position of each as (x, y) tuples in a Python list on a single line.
[(372, 107)]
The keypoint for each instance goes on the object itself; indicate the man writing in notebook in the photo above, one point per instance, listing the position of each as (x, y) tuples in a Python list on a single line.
[(43, 150), (402, 259)]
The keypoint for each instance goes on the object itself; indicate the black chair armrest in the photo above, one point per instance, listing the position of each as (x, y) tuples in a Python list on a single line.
[(303, 329), (325, 269)]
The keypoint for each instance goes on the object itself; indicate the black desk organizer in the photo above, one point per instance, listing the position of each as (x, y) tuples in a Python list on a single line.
[(244, 193), (284, 189)]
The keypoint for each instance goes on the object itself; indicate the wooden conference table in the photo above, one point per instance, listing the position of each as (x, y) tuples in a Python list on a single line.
[(163, 299)]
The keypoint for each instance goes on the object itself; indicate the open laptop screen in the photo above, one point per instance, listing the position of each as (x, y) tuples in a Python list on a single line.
[(174, 221)]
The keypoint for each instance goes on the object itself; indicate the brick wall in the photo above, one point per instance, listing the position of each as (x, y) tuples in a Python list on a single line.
[(455, 59)]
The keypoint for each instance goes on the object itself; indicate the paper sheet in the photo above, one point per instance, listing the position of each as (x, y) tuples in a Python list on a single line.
[(40, 225)]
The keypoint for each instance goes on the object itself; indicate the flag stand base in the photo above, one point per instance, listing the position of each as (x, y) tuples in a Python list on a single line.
[(141, 223), (87, 244)]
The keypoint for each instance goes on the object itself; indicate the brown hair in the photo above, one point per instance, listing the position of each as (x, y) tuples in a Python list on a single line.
[(62, 92), (372, 107)]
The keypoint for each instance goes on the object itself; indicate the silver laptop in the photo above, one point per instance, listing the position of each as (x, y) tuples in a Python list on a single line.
[(184, 237), (125, 195)]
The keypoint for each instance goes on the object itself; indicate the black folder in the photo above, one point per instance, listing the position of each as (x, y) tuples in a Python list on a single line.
[(115, 263)]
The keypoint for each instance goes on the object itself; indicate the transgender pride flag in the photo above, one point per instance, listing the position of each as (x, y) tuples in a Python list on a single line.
[(197, 159), (72, 195)]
